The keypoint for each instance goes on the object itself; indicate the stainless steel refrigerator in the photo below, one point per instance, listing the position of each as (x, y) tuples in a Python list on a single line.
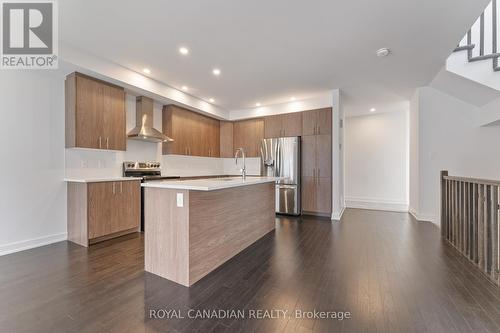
[(281, 158)]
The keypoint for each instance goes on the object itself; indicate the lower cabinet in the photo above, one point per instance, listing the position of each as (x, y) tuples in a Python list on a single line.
[(103, 210), (317, 196)]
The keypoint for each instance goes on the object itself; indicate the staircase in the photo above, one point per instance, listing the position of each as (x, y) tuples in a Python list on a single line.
[(472, 71), (482, 41)]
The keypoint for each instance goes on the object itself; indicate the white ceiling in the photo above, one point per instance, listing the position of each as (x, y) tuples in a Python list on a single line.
[(269, 51)]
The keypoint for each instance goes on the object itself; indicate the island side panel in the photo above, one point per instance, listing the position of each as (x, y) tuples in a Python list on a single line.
[(166, 243), (225, 222)]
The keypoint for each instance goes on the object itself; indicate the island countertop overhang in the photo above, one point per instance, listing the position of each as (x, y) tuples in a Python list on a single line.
[(209, 184)]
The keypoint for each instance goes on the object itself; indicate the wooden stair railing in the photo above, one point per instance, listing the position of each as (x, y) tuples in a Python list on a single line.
[(482, 40), (470, 220)]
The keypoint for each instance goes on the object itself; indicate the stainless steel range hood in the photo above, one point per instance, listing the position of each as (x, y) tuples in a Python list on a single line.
[(144, 119)]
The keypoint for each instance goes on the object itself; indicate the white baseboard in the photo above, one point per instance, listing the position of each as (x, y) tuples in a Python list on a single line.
[(338, 216), (376, 204), (423, 217), (31, 243)]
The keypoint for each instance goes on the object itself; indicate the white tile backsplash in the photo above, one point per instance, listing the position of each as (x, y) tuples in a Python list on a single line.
[(231, 168)]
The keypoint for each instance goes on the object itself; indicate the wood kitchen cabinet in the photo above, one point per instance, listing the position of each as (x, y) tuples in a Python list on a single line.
[(317, 162), (103, 210), (316, 156), (317, 196), (283, 125), (226, 139), (95, 114), (194, 134), (248, 134), (316, 122)]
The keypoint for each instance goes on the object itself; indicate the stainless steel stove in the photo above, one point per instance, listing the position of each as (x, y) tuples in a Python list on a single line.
[(148, 171)]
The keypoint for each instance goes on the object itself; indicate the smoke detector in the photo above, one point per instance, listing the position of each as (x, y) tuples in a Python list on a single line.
[(383, 52)]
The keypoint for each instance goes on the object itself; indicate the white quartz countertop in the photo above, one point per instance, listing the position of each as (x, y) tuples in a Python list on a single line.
[(100, 180), (209, 184)]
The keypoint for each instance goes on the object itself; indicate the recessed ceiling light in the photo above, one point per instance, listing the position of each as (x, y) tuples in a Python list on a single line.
[(146, 71), (185, 88), (211, 100), (383, 52), (216, 71), (183, 50), (292, 98), (373, 110), (257, 104)]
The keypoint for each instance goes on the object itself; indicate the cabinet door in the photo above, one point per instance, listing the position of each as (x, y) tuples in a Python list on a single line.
[(127, 209), (100, 208), (309, 122), (89, 118), (226, 139), (292, 124), (114, 133), (174, 125), (323, 155), (324, 119), (214, 137), (249, 134), (308, 148), (308, 199), (198, 137), (323, 196), (273, 127)]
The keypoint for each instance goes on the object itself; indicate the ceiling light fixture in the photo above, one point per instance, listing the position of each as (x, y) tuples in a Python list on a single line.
[(184, 50), (257, 104), (373, 110), (211, 100), (383, 52), (292, 98), (185, 88), (146, 71), (216, 71)]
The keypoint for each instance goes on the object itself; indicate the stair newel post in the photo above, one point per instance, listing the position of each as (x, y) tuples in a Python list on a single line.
[(444, 203)]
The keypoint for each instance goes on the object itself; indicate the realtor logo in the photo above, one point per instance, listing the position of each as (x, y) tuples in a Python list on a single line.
[(29, 34)]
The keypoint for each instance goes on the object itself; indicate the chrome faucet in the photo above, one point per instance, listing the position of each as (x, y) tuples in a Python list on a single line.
[(244, 169)]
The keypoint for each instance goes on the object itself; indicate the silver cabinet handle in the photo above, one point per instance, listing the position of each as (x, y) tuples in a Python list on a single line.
[(114, 188), (319, 129), (314, 173), (100, 142), (121, 187), (319, 172), (107, 143)]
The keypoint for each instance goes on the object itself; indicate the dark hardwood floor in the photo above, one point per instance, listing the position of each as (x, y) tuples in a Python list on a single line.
[(391, 273)]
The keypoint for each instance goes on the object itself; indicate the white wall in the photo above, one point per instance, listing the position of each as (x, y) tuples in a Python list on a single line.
[(376, 166), (338, 152), (450, 139), (414, 202), (32, 191)]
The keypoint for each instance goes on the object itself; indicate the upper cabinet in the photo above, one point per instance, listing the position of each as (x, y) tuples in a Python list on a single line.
[(248, 134), (194, 134), (95, 114), (284, 125), (317, 122), (226, 139)]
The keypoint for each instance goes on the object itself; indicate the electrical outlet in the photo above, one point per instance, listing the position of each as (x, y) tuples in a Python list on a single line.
[(180, 200)]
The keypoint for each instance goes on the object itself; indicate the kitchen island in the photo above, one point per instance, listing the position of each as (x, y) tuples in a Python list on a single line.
[(194, 226)]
